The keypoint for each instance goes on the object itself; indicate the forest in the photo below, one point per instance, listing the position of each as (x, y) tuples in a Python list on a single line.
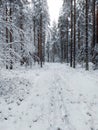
[(26, 36), (48, 70)]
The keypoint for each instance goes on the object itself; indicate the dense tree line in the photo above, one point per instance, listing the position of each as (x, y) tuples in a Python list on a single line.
[(26, 37), (23, 26), (78, 33)]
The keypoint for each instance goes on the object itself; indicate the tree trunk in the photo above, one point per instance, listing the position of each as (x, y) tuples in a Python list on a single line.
[(11, 62), (71, 43), (43, 46), (67, 41), (34, 29), (97, 24), (6, 33), (86, 47), (74, 48), (48, 51), (93, 41), (21, 36), (40, 42), (79, 35), (62, 44)]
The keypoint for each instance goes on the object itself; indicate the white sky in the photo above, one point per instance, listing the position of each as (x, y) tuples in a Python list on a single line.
[(54, 9)]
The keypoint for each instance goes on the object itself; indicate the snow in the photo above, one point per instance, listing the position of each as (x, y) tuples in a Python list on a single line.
[(50, 98)]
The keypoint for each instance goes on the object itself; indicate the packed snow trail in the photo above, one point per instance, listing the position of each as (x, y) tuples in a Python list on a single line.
[(48, 99), (58, 106)]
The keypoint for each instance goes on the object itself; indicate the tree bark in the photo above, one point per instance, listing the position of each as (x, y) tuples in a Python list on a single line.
[(86, 47), (71, 43), (11, 39), (74, 48), (40, 42), (97, 24), (93, 41), (79, 35), (67, 40), (6, 33)]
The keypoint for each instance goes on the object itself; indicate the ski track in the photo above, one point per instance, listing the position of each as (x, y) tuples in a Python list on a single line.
[(58, 109), (46, 107)]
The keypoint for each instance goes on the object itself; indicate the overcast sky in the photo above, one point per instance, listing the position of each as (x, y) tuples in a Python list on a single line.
[(54, 8)]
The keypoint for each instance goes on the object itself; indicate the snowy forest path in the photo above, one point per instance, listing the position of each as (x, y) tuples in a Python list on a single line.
[(49, 98), (59, 116), (45, 103)]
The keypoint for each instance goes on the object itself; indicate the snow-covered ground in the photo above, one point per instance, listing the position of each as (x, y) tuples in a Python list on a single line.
[(50, 98)]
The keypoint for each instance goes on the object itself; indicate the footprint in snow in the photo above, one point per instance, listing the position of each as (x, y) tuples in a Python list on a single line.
[(9, 109), (58, 128), (89, 114), (18, 104), (30, 126), (20, 99), (80, 95), (6, 118), (37, 74), (37, 95), (28, 93), (59, 92)]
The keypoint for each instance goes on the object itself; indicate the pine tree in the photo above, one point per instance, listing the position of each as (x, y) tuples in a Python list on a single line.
[(93, 9), (6, 33), (74, 46), (71, 42), (97, 24), (86, 29), (11, 37), (67, 40), (40, 41)]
